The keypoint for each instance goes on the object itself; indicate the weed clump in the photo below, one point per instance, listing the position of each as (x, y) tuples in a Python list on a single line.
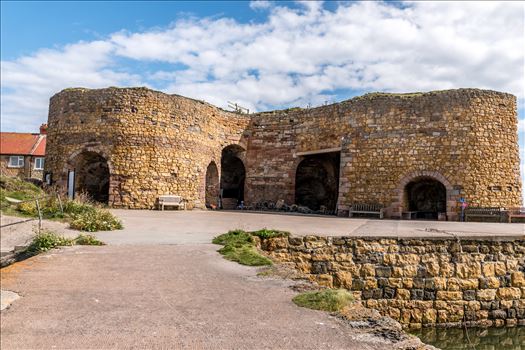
[(239, 246), (88, 240), (327, 300), (95, 220), (46, 240)]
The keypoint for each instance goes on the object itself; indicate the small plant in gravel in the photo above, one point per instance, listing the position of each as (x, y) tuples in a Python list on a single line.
[(46, 240), (95, 220), (88, 240), (327, 299), (239, 246)]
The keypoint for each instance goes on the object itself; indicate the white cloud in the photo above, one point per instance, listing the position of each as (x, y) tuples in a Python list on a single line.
[(294, 57), (260, 4)]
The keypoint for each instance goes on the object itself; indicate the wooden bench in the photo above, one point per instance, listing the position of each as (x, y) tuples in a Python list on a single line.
[(362, 208), (483, 212), (171, 200), (515, 213)]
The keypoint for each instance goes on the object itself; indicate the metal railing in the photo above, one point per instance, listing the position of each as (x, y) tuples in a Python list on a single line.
[(37, 201)]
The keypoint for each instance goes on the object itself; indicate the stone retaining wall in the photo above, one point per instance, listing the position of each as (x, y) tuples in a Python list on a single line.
[(418, 282)]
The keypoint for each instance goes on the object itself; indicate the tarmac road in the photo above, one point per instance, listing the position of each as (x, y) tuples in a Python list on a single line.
[(159, 297)]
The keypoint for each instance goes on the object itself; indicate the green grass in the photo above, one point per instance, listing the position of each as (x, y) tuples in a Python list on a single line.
[(266, 233), (327, 300), (244, 255), (239, 246), (235, 238), (17, 189)]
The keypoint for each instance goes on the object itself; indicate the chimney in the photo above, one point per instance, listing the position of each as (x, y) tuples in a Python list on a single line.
[(43, 129)]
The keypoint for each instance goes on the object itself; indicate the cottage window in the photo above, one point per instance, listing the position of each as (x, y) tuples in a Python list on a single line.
[(39, 163), (16, 161)]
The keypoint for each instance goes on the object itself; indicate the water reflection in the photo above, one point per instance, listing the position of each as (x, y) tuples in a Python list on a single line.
[(475, 338)]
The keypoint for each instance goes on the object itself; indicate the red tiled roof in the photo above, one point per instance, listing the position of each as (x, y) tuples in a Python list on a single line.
[(22, 143), (40, 148)]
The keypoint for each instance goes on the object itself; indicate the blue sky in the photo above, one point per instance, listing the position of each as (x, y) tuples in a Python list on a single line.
[(261, 54)]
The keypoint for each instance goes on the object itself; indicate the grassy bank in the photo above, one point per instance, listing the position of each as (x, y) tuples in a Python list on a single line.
[(82, 214)]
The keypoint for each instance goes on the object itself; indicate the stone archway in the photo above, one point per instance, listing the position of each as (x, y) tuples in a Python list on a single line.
[(426, 197), (233, 174), (212, 187), (92, 175), (427, 194), (317, 181)]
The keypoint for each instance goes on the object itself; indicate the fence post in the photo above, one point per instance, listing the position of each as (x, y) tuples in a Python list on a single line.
[(39, 216), (60, 203)]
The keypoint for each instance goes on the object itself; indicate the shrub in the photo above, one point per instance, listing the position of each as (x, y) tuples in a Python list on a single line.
[(28, 208), (76, 207), (326, 300), (88, 240), (46, 240), (95, 220), (266, 233)]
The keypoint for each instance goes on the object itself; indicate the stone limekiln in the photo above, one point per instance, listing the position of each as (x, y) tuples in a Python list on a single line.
[(409, 152)]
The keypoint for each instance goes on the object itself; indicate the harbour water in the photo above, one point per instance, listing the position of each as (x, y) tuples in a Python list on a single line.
[(504, 338)]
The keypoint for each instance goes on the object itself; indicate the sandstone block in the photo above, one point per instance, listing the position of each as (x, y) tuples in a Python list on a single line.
[(486, 294), (448, 295), (509, 293)]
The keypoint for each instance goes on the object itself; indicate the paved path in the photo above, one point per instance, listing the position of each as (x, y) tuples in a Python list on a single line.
[(161, 284), (162, 297), (175, 227), (23, 231)]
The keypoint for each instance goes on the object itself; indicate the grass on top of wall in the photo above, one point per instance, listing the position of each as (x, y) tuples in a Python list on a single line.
[(239, 246)]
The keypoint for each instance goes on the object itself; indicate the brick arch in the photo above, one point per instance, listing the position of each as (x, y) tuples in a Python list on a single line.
[(398, 206)]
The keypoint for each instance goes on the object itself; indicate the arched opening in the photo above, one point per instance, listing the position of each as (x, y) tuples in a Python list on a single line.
[(426, 198), (233, 175), (212, 186), (92, 176), (317, 182)]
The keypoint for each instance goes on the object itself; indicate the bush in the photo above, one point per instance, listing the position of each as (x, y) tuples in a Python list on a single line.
[(95, 220), (326, 300), (75, 207), (88, 240), (46, 240), (27, 208)]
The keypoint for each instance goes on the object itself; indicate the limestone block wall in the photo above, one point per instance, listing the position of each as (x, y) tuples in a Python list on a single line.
[(418, 282), (154, 143)]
